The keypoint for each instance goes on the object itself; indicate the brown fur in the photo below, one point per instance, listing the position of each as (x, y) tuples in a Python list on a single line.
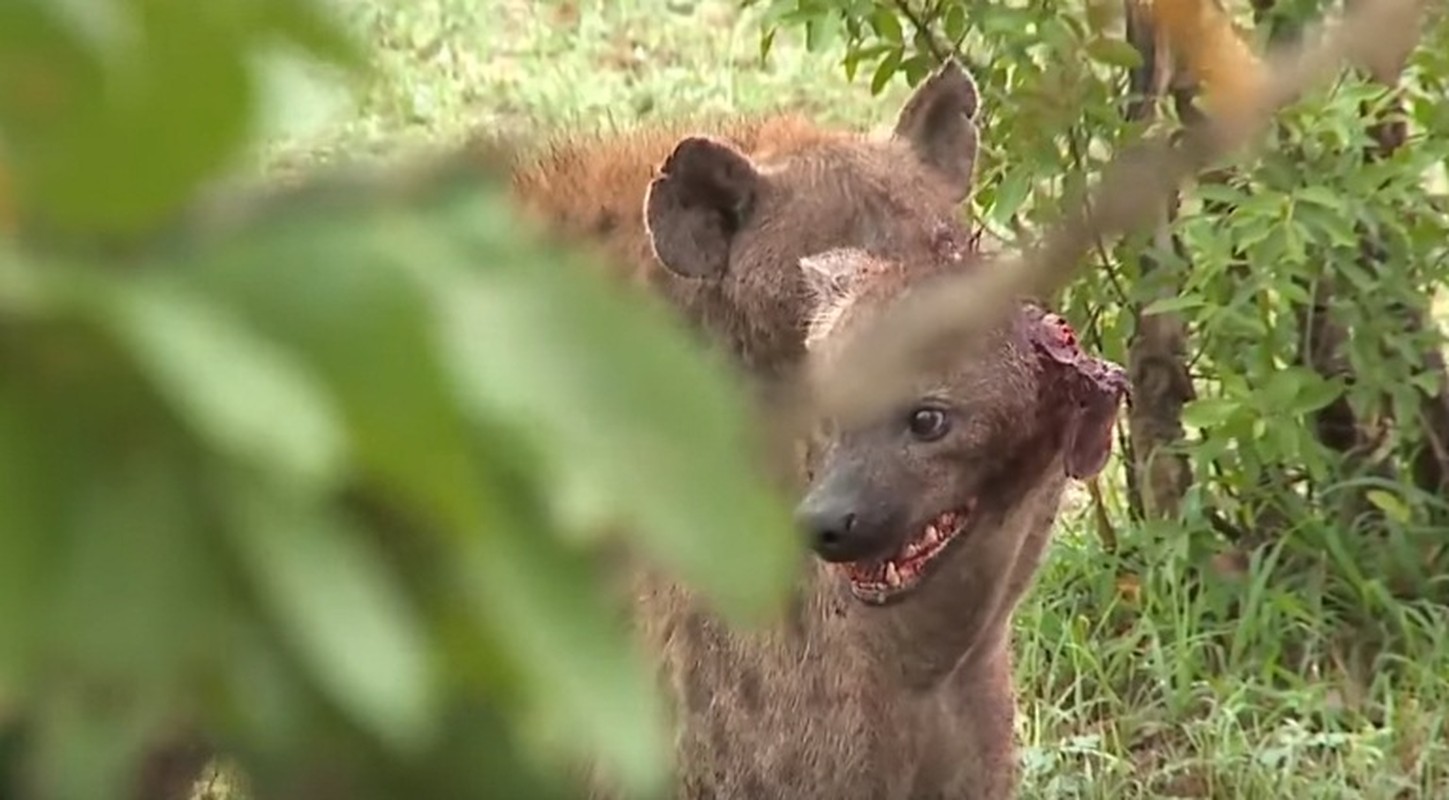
[(912, 699), (592, 187), (716, 224)]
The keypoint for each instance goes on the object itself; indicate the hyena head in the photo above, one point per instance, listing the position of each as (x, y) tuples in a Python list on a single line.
[(729, 221), (938, 485)]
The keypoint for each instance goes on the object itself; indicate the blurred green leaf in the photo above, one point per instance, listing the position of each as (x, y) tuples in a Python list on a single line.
[(955, 22), (884, 70), (345, 284), (1390, 504), (89, 750), (821, 31), (705, 508), (1282, 387), (23, 490), (1010, 194), (1207, 412), (587, 681), (116, 608), (916, 67), (247, 396), (1428, 383), (1320, 195), (1114, 52), (1222, 193), (1315, 395), (339, 609), (81, 112), (1169, 304), (887, 26)]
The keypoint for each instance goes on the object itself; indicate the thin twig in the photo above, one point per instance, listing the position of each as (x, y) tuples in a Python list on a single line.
[(923, 30)]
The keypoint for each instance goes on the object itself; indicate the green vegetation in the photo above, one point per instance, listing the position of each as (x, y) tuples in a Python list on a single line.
[(1309, 660), (1260, 611)]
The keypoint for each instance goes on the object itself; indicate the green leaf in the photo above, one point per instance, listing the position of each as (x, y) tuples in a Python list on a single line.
[(125, 507), (887, 25), (821, 32), (1390, 504), (1221, 193), (1169, 304), (245, 395), (1009, 196), (129, 590), (558, 351), (918, 66), (1315, 394), (1207, 412), (1249, 231), (1429, 383), (26, 484), (106, 165), (362, 325), (885, 70), (1320, 195), (88, 153), (1282, 388), (1295, 245), (88, 750), (1114, 52), (339, 610), (588, 684), (955, 23)]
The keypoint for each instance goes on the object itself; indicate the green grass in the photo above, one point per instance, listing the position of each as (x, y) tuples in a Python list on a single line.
[(448, 67), (1144, 691)]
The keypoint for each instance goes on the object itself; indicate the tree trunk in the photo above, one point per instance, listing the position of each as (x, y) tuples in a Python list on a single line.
[(1156, 356)]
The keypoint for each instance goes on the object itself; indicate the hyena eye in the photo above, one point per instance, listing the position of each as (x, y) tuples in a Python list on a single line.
[(929, 424)]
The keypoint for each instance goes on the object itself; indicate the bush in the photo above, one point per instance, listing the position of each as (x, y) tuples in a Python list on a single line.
[(1279, 328)]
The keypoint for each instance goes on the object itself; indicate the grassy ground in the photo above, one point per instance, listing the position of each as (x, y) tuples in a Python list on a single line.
[(1129, 686)]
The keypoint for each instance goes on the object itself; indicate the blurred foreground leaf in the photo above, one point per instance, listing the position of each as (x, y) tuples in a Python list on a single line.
[(239, 390), (311, 482), (615, 421), (114, 111), (341, 611)]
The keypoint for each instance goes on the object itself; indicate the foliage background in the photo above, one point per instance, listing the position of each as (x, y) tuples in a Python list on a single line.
[(1299, 537), (1159, 655)]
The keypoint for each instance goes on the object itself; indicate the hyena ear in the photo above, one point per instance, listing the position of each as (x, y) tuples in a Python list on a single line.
[(939, 123), (1095, 387), (700, 198)]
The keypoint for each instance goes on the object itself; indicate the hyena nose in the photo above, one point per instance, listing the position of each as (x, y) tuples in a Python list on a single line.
[(833, 532)]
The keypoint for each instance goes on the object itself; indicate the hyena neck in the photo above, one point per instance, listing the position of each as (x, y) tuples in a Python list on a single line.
[(959, 621)]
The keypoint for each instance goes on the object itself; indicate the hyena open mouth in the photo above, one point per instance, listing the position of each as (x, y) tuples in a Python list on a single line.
[(879, 580)]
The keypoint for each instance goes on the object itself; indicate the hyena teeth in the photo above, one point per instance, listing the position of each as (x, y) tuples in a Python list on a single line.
[(893, 577), (933, 534)]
